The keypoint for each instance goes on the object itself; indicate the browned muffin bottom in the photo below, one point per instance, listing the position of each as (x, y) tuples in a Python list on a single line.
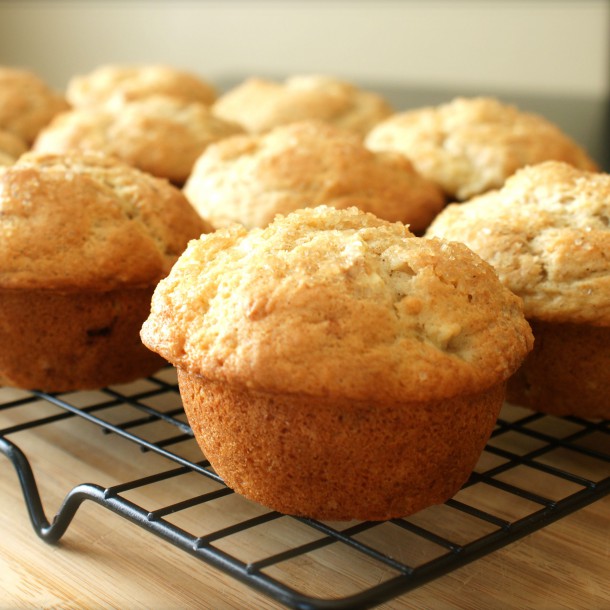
[(65, 340), (567, 372), (339, 459)]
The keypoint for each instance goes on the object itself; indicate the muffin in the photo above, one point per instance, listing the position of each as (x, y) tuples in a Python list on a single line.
[(27, 103), (251, 178), (472, 145), (334, 365), (158, 134), (260, 104), (11, 147), (84, 239), (547, 234), (133, 82)]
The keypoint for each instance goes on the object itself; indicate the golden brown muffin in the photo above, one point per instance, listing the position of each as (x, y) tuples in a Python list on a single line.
[(84, 240), (133, 82), (158, 134), (547, 233), (251, 178), (334, 365), (27, 103), (472, 145), (11, 147), (260, 104)]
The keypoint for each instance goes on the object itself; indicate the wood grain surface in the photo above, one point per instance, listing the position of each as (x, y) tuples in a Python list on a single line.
[(103, 561)]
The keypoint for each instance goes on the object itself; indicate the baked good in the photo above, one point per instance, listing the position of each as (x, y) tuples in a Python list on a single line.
[(334, 365), (471, 145), (547, 233), (251, 178), (128, 82), (84, 239), (260, 104), (157, 134), (11, 147), (27, 103)]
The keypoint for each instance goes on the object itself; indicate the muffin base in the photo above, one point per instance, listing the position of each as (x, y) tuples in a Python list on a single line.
[(567, 372), (62, 341), (337, 459)]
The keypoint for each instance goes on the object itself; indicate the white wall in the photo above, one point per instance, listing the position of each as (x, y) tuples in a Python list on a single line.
[(535, 45)]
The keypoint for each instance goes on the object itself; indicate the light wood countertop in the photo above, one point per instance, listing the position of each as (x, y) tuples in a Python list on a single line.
[(103, 561)]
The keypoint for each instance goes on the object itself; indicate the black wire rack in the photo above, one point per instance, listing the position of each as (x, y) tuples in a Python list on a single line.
[(534, 470)]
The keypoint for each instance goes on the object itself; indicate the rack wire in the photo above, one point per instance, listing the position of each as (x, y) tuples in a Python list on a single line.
[(534, 470)]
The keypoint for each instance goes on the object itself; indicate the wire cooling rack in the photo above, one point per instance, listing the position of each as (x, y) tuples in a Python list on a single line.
[(535, 469)]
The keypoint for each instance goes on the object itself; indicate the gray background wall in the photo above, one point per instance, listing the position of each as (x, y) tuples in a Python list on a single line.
[(559, 46)]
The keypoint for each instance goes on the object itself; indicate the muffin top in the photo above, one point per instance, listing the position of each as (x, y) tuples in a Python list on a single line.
[(133, 82), (260, 104), (328, 302), (11, 147), (88, 221), (158, 134), (471, 145), (251, 178), (547, 233), (27, 103)]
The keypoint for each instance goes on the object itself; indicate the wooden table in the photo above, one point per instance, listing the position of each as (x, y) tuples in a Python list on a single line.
[(103, 561)]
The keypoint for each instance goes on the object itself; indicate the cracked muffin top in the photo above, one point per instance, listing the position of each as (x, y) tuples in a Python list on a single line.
[(260, 104), (471, 145), (133, 82), (27, 103), (88, 221), (251, 178), (328, 302), (159, 134), (547, 234)]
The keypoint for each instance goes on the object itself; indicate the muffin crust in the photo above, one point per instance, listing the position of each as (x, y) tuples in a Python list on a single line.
[(122, 82), (251, 178), (283, 309), (158, 134), (27, 103), (260, 104), (11, 147), (547, 234), (72, 221), (472, 145)]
